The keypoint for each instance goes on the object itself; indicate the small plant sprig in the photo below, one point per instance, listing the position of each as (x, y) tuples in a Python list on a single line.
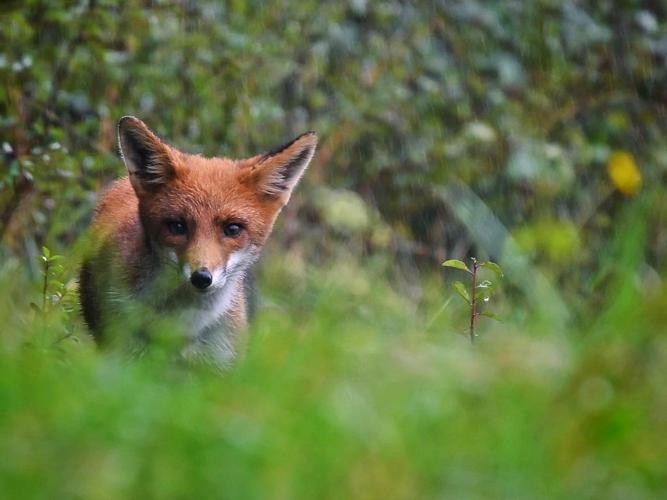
[(478, 289), (56, 304), (53, 289)]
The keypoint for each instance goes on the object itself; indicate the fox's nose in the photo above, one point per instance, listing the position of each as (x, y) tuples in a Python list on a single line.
[(201, 278)]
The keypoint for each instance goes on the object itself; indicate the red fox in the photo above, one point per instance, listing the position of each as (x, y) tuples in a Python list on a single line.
[(177, 238)]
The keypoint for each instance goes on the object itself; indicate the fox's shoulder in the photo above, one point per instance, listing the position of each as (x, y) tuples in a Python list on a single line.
[(117, 205), (116, 222)]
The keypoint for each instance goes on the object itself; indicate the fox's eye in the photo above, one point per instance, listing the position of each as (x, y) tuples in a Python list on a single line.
[(176, 227), (232, 230)]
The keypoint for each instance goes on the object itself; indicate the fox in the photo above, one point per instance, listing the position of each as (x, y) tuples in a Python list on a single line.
[(176, 240)]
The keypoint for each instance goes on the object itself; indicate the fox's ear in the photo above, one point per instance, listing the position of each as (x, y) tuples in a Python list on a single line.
[(147, 158), (276, 173)]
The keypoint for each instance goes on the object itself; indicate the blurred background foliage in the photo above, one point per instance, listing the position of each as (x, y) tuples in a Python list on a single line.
[(527, 103), (531, 132)]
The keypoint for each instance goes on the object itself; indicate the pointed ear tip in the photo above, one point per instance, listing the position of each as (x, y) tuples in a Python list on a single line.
[(310, 136), (129, 120)]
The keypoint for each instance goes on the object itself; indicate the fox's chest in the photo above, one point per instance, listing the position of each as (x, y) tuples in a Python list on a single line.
[(196, 319), (191, 311), (209, 326), (208, 336)]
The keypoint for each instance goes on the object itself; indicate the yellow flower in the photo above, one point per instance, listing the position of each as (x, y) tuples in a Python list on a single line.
[(624, 174)]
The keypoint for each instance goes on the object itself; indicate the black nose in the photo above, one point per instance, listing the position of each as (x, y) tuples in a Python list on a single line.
[(201, 278)]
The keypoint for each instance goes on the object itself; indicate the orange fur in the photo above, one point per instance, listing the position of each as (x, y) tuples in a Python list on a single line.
[(135, 247)]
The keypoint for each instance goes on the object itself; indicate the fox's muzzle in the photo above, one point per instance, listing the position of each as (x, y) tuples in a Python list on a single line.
[(201, 278)]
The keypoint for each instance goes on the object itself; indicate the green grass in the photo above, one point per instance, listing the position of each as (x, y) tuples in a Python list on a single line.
[(349, 390)]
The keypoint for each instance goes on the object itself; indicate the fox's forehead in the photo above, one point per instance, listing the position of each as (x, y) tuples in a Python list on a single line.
[(198, 168), (199, 162), (210, 188)]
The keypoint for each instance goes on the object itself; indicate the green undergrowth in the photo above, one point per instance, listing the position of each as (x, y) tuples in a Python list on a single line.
[(349, 389)]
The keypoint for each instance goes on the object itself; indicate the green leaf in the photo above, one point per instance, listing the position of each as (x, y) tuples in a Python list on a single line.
[(492, 266), (456, 264), (491, 315), (56, 257), (484, 290), (45, 252), (461, 290)]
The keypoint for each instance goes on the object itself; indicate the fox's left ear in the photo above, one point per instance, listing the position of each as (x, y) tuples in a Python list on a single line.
[(276, 173), (148, 160)]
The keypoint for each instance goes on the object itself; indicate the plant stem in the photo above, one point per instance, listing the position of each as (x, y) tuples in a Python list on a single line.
[(46, 282), (473, 301)]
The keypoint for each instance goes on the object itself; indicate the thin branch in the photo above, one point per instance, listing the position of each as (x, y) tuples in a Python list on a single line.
[(46, 282), (473, 300)]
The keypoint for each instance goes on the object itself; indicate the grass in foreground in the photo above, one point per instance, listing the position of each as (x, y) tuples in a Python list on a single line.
[(348, 391)]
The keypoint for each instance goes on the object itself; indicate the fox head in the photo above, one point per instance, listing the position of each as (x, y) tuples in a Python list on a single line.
[(209, 216)]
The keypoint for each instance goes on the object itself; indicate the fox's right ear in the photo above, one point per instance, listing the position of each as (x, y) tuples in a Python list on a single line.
[(275, 174), (147, 158)]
